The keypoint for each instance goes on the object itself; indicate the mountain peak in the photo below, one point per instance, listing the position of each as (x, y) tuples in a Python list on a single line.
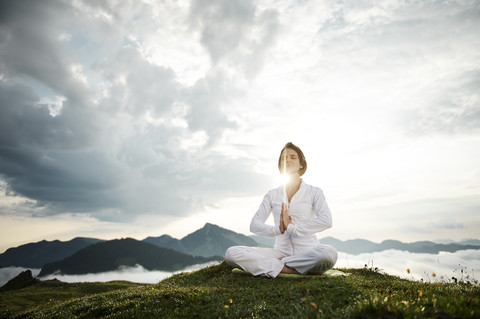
[(211, 226)]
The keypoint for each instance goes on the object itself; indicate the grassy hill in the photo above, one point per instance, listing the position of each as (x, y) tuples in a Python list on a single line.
[(216, 292)]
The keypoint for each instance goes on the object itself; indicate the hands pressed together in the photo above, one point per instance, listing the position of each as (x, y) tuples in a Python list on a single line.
[(285, 219)]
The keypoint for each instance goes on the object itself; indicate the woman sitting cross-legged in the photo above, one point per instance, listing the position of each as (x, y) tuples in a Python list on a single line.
[(299, 211)]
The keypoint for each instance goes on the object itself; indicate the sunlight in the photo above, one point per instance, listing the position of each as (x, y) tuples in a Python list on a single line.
[(283, 179)]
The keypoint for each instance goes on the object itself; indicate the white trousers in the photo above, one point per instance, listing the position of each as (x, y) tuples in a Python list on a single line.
[(269, 262)]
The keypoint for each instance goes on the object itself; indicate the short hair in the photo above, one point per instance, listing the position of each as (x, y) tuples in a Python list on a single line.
[(301, 157)]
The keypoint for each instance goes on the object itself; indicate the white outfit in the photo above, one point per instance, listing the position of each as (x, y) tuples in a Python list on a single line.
[(297, 247)]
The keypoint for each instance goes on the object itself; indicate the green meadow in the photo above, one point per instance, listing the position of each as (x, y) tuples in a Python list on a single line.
[(217, 292)]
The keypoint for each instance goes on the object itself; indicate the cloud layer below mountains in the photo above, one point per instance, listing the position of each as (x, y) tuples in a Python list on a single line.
[(394, 262)]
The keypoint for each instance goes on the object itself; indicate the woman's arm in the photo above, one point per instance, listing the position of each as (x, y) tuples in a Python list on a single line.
[(257, 225), (322, 220)]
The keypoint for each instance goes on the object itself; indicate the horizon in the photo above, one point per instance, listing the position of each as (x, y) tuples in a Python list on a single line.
[(152, 118), (416, 266), (438, 241)]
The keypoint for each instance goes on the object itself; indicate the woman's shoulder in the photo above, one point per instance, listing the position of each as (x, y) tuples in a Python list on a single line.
[(275, 190), (274, 193), (312, 189)]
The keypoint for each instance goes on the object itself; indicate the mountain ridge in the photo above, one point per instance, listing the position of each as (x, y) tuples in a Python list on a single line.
[(112, 254), (208, 241), (211, 240), (360, 246), (35, 255)]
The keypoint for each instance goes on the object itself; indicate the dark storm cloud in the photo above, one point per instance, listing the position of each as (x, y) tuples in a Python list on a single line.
[(138, 87), (41, 156), (29, 46), (112, 151)]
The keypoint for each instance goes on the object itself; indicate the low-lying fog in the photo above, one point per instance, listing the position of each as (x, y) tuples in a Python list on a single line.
[(429, 267)]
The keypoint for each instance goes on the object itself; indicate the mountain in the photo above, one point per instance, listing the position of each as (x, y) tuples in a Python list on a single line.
[(110, 255), (35, 255), (474, 242), (166, 241), (359, 246), (211, 240)]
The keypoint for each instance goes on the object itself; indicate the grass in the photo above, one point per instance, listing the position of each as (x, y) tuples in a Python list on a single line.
[(216, 292), (44, 294)]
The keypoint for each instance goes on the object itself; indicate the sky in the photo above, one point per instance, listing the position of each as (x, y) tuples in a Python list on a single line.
[(144, 118)]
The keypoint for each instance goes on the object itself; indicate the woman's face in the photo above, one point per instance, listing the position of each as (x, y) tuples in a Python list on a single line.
[(290, 163)]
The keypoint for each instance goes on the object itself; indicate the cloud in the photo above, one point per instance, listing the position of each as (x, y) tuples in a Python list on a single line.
[(111, 133), (137, 87), (453, 107), (448, 224), (133, 274), (444, 265), (223, 24), (235, 33), (30, 47)]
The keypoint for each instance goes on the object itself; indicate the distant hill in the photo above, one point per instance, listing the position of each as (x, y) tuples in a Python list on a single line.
[(474, 242), (359, 246), (211, 240), (110, 255), (166, 241), (35, 255)]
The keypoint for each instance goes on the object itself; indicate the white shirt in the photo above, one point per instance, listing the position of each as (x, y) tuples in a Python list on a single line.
[(310, 214)]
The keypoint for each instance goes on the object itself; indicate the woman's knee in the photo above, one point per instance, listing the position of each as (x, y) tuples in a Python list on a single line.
[(333, 255), (327, 253), (232, 253)]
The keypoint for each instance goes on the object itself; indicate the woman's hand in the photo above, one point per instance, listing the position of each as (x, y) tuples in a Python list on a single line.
[(285, 220)]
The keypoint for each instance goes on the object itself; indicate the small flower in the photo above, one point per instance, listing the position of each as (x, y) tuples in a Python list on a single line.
[(314, 305), (226, 306), (434, 274), (420, 293), (408, 270), (231, 301)]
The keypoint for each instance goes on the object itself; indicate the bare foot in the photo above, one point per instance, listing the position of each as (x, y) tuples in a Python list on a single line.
[(288, 270)]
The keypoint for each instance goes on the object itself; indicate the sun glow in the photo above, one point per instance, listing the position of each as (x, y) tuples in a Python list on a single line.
[(283, 179)]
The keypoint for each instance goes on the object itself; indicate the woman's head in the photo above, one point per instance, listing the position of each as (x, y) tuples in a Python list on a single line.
[(288, 155)]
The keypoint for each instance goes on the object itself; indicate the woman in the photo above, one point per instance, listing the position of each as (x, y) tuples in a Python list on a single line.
[(299, 211)]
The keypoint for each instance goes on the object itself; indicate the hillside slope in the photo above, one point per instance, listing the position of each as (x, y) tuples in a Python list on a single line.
[(217, 292)]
